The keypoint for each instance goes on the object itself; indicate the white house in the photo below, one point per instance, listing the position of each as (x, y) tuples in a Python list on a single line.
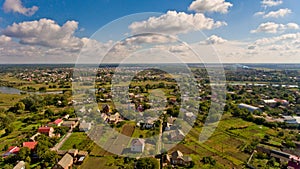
[(137, 145), (84, 126)]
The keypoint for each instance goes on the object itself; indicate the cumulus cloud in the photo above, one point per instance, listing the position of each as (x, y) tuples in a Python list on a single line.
[(202, 6), (214, 39), (291, 37), (4, 39), (270, 3), (175, 23), (45, 32), (278, 14), (149, 38), (17, 7), (272, 27)]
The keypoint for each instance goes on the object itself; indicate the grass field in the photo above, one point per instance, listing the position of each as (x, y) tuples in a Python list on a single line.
[(98, 162), (8, 100), (77, 139)]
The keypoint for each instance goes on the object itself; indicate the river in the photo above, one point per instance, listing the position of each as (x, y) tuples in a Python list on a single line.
[(11, 90)]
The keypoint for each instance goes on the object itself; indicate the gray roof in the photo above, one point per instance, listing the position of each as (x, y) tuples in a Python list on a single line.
[(66, 161)]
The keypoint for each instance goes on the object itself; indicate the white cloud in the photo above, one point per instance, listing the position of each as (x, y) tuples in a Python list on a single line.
[(270, 3), (17, 7), (292, 26), (291, 38), (214, 39), (272, 27), (149, 38), (44, 41), (175, 23), (259, 13), (277, 14), (210, 6), (45, 32), (4, 39)]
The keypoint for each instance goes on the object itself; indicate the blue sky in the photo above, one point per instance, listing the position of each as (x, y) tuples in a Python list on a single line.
[(240, 24)]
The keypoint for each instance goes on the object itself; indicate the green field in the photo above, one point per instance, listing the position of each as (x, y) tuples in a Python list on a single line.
[(77, 140)]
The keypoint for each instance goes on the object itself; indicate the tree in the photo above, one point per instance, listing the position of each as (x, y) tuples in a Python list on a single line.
[(147, 163), (24, 153), (18, 107), (209, 160), (49, 113), (271, 162)]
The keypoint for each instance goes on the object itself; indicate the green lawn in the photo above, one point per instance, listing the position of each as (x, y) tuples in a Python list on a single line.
[(78, 139)]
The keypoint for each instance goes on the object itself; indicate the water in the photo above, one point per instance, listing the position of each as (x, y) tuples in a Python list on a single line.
[(11, 90)]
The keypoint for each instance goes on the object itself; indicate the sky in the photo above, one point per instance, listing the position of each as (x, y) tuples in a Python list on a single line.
[(227, 31)]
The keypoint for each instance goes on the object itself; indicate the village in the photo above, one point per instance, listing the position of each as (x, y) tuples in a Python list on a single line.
[(259, 126)]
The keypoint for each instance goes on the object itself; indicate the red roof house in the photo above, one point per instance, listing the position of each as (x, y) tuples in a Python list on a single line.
[(12, 150), (58, 122), (47, 131), (30, 145)]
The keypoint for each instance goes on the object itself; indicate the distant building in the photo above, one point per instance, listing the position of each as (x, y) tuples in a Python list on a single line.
[(137, 145), (248, 107), (290, 120), (274, 102), (65, 163), (49, 131)]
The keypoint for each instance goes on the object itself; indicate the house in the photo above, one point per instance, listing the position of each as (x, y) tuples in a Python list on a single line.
[(65, 163), (248, 107), (73, 152), (270, 102), (177, 158), (274, 102), (137, 145), (49, 131), (114, 119), (176, 135), (281, 156), (294, 162), (190, 117), (20, 165), (148, 124), (170, 122), (82, 156), (75, 119), (58, 122), (30, 145), (84, 126), (70, 124), (291, 120), (12, 150)]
